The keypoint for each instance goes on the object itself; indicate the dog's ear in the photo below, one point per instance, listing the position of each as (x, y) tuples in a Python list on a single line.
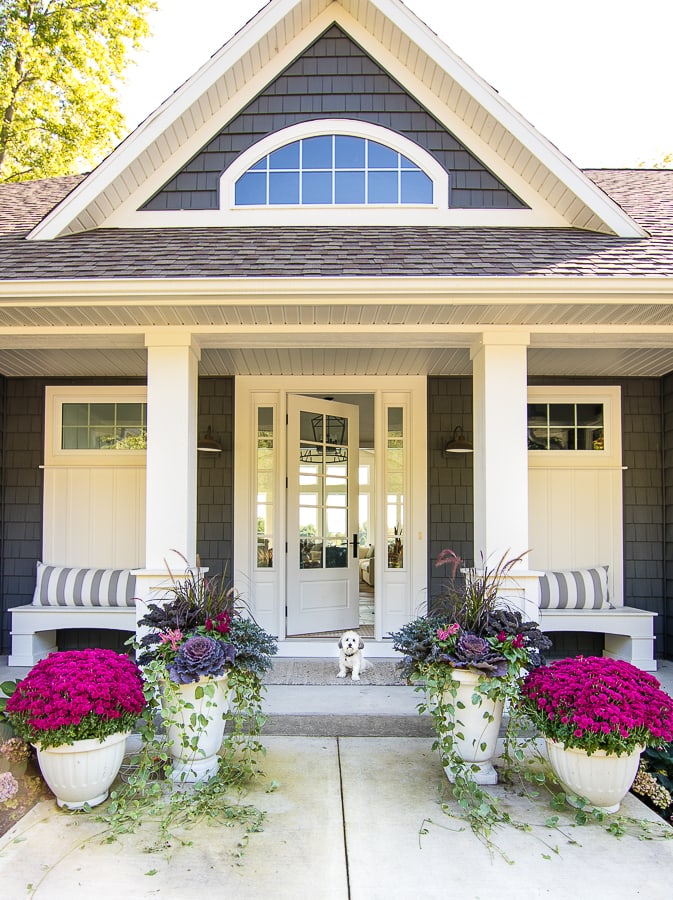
[(362, 644), (341, 646)]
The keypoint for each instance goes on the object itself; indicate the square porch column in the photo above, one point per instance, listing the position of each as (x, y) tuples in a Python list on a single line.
[(500, 386), (172, 394)]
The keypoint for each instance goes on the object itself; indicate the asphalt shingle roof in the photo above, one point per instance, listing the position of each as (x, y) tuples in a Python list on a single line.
[(646, 195)]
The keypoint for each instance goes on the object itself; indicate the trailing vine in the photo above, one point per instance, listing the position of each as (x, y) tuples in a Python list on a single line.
[(147, 797), (524, 771)]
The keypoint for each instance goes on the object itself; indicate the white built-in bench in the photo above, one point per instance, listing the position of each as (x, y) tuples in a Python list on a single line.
[(71, 598), (578, 601)]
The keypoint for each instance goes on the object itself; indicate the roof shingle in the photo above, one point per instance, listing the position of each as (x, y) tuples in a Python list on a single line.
[(646, 195)]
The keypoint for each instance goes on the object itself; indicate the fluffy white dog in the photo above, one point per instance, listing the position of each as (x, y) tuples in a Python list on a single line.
[(351, 646)]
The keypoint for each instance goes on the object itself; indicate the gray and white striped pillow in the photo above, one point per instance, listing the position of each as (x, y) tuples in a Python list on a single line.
[(61, 586), (575, 589)]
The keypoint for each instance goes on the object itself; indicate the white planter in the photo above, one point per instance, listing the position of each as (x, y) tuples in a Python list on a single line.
[(82, 772), (602, 778), (196, 731), (476, 729)]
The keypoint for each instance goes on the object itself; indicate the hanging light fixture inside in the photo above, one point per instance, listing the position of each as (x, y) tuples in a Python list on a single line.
[(458, 443), (208, 443), (332, 441)]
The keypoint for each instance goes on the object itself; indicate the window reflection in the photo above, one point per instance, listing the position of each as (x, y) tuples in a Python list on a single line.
[(334, 170), (265, 487)]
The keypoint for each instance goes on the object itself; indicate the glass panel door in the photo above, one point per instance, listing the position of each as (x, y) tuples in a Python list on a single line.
[(322, 516)]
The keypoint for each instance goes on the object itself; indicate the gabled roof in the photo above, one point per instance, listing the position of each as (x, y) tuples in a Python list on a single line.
[(533, 168)]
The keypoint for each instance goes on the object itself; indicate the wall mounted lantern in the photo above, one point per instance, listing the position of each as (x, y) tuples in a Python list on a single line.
[(458, 443)]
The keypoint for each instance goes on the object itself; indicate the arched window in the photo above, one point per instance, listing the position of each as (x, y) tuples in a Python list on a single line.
[(334, 170)]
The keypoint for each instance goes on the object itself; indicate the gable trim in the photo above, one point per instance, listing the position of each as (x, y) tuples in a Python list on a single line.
[(534, 164)]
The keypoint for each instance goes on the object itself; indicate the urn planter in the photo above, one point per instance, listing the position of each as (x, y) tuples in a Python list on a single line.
[(80, 773), (476, 727), (602, 778), (195, 727)]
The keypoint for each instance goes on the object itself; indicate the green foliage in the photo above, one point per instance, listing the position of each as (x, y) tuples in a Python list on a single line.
[(654, 782), (524, 771), (61, 62), (149, 800), (7, 688)]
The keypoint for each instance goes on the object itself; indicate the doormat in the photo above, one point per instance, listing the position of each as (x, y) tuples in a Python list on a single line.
[(324, 671)]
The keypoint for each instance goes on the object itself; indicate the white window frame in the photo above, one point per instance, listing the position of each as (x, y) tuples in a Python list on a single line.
[(610, 397), (329, 214), (57, 396)]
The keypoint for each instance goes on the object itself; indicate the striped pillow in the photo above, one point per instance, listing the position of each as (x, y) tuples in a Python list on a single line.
[(575, 589), (60, 586)]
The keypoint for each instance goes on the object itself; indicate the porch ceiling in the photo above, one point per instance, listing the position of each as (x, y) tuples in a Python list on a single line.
[(108, 361)]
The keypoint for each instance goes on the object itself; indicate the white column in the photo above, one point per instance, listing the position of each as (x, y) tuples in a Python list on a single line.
[(172, 394), (500, 446), (500, 386)]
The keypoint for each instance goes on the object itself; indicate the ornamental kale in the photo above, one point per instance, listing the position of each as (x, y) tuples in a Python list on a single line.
[(77, 695), (470, 652), (470, 626), (597, 703), (200, 655), (206, 607)]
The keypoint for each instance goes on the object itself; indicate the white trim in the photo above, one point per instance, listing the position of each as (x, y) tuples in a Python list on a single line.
[(261, 216), (322, 291), (56, 396), (610, 397), (330, 213)]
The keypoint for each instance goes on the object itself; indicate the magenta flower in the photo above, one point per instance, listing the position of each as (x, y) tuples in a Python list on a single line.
[(173, 637), (598, 703), (445, 633), (77, 694)]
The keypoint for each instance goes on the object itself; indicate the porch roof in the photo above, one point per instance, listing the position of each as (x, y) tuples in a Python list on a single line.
[(367, 252)]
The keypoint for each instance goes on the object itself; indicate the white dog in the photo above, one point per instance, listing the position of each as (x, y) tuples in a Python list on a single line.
[(351, 646)]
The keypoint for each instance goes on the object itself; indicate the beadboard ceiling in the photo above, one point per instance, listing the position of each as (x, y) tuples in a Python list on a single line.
[(608, 362)]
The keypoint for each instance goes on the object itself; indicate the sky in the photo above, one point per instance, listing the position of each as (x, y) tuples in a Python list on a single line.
[(592, 76)]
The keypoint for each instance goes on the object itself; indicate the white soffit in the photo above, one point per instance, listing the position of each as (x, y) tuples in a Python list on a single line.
[(617, 362), (402, 44)]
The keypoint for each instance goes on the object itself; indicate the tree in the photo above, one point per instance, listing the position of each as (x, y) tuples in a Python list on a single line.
[(60, 64)]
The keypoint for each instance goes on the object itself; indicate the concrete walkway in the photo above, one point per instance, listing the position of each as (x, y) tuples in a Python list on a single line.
[(349, 818)]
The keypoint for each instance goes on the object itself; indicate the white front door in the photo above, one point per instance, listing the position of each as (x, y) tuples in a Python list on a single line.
[(322, 516)]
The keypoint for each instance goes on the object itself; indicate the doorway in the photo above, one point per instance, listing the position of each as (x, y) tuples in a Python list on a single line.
[(330, 503), (391, 549)]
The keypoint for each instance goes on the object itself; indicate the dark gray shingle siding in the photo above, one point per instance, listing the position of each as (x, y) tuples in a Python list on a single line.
[(648, 566), (334, 78), (215, 499)]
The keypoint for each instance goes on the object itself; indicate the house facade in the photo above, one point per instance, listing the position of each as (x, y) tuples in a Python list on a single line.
[(332, 251)]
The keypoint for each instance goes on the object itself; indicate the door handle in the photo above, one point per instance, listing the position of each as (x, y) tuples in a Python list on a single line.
[(355, 546)]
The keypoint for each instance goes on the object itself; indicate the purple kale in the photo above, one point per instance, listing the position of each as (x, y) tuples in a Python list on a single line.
[(200, 656), (474, 652)]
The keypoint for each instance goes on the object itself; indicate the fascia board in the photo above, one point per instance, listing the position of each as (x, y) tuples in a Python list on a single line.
[(344, 290)]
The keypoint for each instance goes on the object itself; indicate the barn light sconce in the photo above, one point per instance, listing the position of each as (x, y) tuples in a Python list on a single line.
[(458, 443), (208, 443)]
